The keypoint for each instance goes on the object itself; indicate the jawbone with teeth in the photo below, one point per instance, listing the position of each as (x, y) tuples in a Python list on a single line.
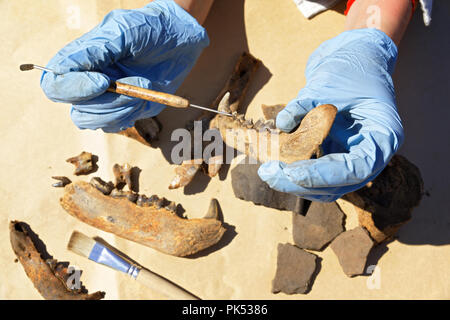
[(262, 141)]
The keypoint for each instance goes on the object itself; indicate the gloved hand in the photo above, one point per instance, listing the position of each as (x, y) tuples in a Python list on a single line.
[(353, 72), (154, 47)]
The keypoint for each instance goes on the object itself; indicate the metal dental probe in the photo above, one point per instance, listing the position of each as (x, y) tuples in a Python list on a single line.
[(142, 93)]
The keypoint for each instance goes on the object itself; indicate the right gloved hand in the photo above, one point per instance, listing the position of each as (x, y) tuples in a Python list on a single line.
[(154, 47)]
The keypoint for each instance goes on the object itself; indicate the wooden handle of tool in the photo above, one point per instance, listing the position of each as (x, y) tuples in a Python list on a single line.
[(149, 95), (164, 286)]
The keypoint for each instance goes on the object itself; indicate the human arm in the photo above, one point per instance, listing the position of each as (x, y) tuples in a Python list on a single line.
[(353, 72)]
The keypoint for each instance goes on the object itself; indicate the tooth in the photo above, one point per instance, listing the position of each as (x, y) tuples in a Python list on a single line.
[(154, 198), (213, 211), (142, 200), (85, 163), (224, 104), (63, 181), (102, 186), (248, 124), (172, 207), (259, 123), (160, 203), (123, 175), (240, 117)]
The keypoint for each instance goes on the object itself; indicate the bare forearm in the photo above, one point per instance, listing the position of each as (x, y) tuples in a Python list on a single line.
[(199, 9), (390, 16)]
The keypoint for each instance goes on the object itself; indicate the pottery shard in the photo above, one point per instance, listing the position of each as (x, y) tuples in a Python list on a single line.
[(386, 203), (322, 223), (352, 248), (248, 186), (295, 270)]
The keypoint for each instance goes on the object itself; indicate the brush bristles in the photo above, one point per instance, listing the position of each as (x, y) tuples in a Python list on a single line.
[(81, 244), (26, 67)]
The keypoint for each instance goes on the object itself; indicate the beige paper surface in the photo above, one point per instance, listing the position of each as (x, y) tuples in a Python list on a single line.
[(37, 136)]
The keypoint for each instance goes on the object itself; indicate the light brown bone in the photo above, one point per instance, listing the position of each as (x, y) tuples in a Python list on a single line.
[(145, 131), (300, 145), (48, 276), (185, 172), (123, 175), (84, 163), (159, 229)]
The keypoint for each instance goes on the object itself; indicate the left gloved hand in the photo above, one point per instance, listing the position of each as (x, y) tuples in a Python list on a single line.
[(353, 72)]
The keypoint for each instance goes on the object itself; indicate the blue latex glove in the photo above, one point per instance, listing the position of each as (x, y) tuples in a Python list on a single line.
[(353, 72), (154, 47)]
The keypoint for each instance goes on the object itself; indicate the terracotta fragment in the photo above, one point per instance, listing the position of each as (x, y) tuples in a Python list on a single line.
[(48, 276), (248, 186), (352, 248), (154, 227), (295, 270), (271, 112), (323, 222), (85, 163)]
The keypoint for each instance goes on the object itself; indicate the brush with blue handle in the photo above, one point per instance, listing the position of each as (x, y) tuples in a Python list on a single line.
[(97, 252)]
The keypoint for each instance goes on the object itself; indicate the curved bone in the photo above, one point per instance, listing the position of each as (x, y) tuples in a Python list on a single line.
[(213, 211), (185, 172), (62, 182), (156, 228), (300, 145), (48, 276), (123, 175)]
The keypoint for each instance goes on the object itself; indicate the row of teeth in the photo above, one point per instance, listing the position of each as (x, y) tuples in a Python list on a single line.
[(259, 125), (108, 189)]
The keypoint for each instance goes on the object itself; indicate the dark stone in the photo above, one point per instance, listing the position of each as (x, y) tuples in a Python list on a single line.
[(247, 185), (386, 203), (295, 270), (352, 248), (322, 223)]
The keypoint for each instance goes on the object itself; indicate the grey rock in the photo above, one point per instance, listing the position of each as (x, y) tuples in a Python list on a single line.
[(247, 185), (295, 270), (352, 248), (322, 223)]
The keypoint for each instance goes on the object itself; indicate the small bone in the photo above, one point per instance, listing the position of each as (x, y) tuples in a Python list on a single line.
[(213, 211), (123, 175), (102, 186), (63, 181), (160, 203), (142, 200), (84, 163)]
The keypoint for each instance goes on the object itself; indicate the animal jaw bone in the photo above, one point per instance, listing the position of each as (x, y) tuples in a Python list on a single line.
[(300, 145), (153, 225), (48, 276)]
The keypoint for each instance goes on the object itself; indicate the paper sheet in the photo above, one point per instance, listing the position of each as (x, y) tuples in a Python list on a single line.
[(37, 137)]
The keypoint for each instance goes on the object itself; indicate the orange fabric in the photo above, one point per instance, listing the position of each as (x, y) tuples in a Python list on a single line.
[(350, 3)]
